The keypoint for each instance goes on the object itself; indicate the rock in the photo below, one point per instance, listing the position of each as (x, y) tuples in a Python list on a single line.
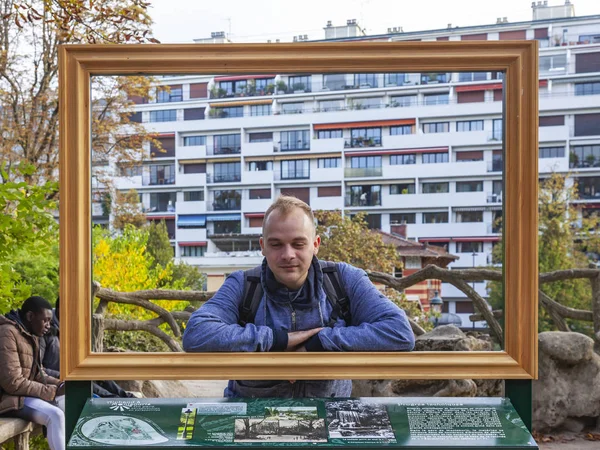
[(434, 388), (573, 425), (568, 348), (447, 338), (372, 388), (569, 380)]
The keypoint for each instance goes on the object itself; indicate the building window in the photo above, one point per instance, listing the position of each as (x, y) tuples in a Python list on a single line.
[(587, 124), (335, 82), (436, 99), (295, 169), (162, 201), (227, 143), (554, 64), (254, 166), (465, 77), (329, 163), (260, 110), (227, 112), (192, 251), (189, 141), (331, 105), (292, 108), (469, 216), (588, 187), (295, 140), (551, 121), (400, 218), (469, 247), (401, 129), (404, 101), (259, 194), (592, 88), (396, 160), (227, 200), (585, 156), (193, 196), (363, 162), (225, 172), (262, 85), (469, 125), (329, 134), (435, 158), (475, 155), (130, 171), (435, 217), (302, 83), (233, 87), (365, 79), (164, 115), (436, 127), (329, 191), (260, 137), (365, 103), (368, 195), (169, 94), (162, 174), (469, 186), (552, 152), (401, 189), (365, 137), (193, 113), (435, 188), (397, 79)]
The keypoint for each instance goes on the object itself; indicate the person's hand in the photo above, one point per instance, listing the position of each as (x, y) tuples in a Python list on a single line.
[(60, 390), (297, 338)]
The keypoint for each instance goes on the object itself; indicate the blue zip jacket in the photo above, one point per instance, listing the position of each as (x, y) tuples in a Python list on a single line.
[(377, 325)]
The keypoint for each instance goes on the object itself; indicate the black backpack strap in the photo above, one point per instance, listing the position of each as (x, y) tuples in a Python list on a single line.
[(253, 293), (336, 295)]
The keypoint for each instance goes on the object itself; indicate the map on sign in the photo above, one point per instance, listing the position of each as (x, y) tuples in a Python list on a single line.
[(121, 430)]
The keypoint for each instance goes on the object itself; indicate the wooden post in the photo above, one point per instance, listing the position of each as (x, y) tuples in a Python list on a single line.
[(97, 332)]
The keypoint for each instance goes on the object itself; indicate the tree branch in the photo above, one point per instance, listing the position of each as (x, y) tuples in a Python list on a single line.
[(138, 325)]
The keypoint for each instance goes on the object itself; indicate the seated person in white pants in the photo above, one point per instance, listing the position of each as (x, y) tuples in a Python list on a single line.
[(25, 389)]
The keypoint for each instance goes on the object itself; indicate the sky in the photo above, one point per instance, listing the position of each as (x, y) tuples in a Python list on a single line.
[(181, 21)]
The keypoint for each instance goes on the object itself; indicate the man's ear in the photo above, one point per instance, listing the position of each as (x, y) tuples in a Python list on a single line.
[(29, 316), (262, 245), (317, 244)]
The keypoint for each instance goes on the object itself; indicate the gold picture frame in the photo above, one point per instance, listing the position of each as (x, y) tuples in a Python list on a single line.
[(518, 59)]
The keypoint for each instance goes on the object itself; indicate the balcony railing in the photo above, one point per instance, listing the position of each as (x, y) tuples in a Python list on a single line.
[(355, 172), (291, 146), (224, 205), (223, 177), (157, 181), (362, 142), (224, 150), (299, 175), (588, 162), (494, 198), (349, 201)]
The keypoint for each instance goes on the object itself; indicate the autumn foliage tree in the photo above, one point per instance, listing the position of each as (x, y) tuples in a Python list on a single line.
[(350, 240), (564, 240), (30, 34)]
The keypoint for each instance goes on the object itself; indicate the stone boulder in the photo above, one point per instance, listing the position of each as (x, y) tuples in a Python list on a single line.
[(157, 388), (448, 338), (567, 393)]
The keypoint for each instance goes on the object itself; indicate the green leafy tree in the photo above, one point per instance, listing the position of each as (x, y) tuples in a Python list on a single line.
[(159, 244), (564, 238), (127, 210), (350, 240), (27, 227)]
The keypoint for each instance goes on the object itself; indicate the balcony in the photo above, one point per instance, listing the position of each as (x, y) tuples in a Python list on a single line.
[(361, 203), (224, 150), (329, 174), (190, 208), (191, 152), (362, 142), (258, 148), (293, 147), (257, 176), (224, 205), (212, 178), (549, 134), (327, 145), (300, 175), (492, 197), (157, 181), (356, 172), (435, 78), (191, 179)]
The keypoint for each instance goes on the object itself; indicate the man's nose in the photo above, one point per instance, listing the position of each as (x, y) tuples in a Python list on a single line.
[(288, 252)]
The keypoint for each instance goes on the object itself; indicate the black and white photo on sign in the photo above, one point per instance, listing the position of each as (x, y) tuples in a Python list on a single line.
[(354, 419), (282, 424)]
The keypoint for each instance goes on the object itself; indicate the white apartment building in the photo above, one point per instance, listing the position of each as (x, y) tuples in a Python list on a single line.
[(425, 149)]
